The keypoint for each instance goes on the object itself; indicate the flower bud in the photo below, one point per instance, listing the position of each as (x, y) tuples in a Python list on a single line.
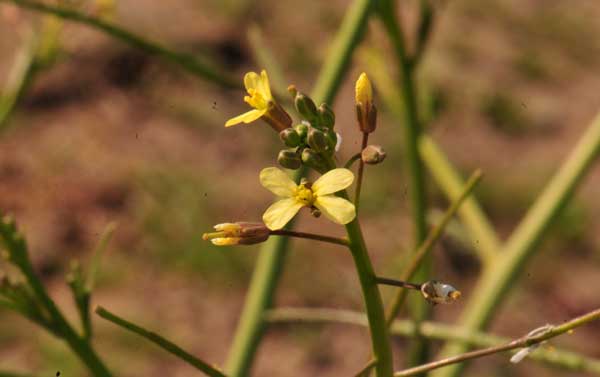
[(326, 116), (332, 140), (314, 160), (317, 140), (366, 112), (302, 130), (290, 137), (239, 233), (289, 159), (373, 154), (306, 107), (439, 293)]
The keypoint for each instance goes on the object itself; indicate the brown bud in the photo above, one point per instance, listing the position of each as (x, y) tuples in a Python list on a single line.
[(373, 154)]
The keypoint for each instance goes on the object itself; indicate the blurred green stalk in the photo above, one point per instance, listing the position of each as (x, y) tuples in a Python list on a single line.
[(499, 277), (272, 255), (417, 191), (189, 62)]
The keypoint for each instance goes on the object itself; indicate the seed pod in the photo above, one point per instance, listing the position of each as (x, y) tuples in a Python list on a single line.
[(289, 159), (314, 160), (326, 116), (373, 154), (306, 107), (317, 140), (290, 137)]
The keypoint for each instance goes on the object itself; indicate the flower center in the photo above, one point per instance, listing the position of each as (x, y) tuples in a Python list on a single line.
[(304, 195), (256, 99)]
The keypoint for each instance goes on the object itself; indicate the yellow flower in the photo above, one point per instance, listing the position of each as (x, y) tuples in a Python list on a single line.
[(259, 98), (363, 90), (318, 195)]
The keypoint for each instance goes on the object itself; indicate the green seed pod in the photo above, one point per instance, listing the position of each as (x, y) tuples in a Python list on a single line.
[(326, 116), (290, 137), (302, 130), (373, 154), (314, 160), (306, 107), (289, 159), (317, 140)]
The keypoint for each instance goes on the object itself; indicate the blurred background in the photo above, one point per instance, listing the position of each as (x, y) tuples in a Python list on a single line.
[(106, 133)]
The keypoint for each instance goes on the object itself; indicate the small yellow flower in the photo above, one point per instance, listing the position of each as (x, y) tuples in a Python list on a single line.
[(318, 195), (366, 112), (259, 98)]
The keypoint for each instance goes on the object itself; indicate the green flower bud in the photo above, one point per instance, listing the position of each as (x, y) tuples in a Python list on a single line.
[(290, 137), (289, 159), (317, 140), (314, 160), (326, 116), (302, 130), (373, 154), (306, 107), (331, 140)]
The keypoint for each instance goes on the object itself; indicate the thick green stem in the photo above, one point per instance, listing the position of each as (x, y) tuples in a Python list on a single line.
[(269, 265), (374, 306), (188, 62), (497, 279)]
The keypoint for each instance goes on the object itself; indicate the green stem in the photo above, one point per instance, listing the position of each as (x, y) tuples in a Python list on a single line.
[(310, 236), (435, 331), (481, 232), (434, 235), (412, 131), (161, 342), (272, 255), (188, 62), (361, 167), (497, 279), (374, 306)]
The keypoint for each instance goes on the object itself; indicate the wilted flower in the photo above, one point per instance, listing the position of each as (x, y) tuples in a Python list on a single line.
[(439, 293), (240, 233), (318, 195), (524, 352)]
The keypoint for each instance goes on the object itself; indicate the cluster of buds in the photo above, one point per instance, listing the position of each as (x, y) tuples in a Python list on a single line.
[(313, 141), (239, 233)]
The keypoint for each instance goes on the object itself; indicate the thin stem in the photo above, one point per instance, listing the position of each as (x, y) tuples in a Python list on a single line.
[(161, 342), (525, 341), (432, 237), (361, 167), (435, 331), (497, 280), (272, 255), (398, 283), (188, 62), (352, 160), (310, 236), (423, 30)]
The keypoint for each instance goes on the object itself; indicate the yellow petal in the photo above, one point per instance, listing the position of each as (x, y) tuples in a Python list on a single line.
[(247, 117), (226, 241), (363, 90), (333, 181), (278, 182), (252, 80), (281, 212), (336, 209), (265, 87)]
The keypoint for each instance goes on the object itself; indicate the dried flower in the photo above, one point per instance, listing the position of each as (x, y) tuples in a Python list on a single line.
[(439, 293), (239, 233)]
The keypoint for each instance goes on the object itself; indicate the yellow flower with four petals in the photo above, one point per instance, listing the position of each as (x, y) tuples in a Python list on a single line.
[(259, 98), (319, 195)]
